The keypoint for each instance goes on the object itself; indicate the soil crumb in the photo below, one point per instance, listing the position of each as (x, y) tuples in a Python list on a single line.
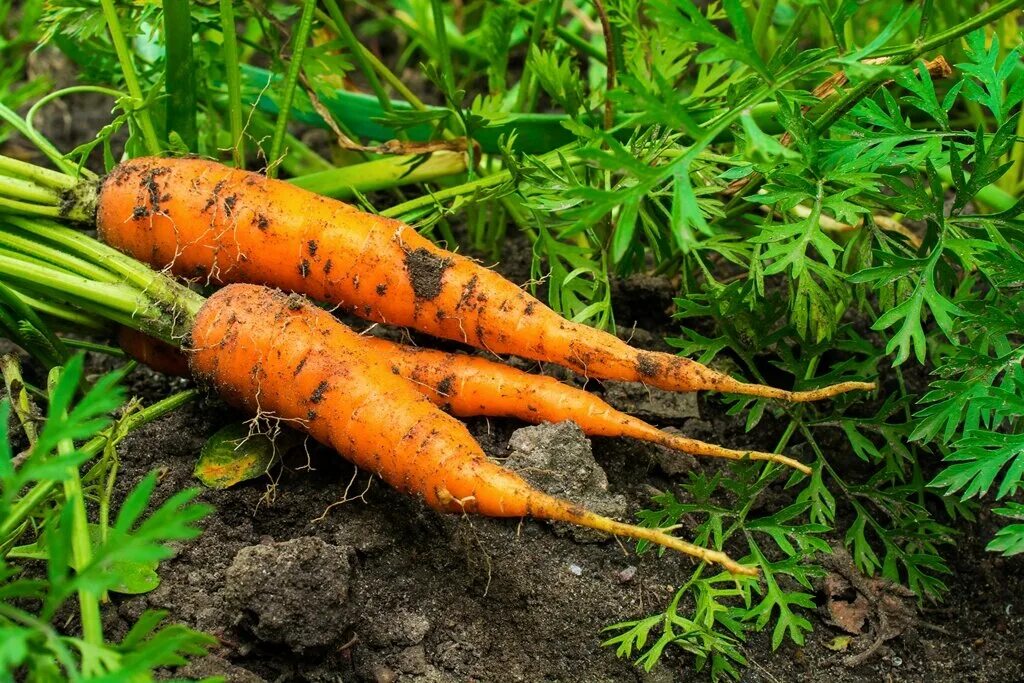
[(426, 270), (295, 592)]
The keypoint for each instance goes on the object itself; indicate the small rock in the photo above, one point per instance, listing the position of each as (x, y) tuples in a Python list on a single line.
[(627, 574), (402, 628), (296, 592), (382, 674), (412, 660), (575, 570), (556, 458)]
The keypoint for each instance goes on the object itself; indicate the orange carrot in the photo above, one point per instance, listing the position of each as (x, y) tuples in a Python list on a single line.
[(152, 352), (208, 221), (283, 357), (470, 386)]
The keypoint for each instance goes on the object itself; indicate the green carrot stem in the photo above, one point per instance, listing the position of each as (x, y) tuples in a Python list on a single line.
[(46, 253), (44, 145), (95, 347), (179, 72), (19, 189), (81, 550), (355, 48), (380, 174), (36, 174), (290, 82), (131, 80), (234, 81)]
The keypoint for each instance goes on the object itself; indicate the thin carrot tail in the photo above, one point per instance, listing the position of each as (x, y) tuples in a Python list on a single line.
[(731, 386), (548, 507), (695, 447)]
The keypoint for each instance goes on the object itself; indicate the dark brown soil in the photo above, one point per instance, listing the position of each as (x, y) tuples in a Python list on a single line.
[(380, 588)]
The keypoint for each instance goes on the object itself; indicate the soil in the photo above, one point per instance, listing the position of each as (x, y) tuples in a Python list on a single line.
[(379, 588), (301, 586)]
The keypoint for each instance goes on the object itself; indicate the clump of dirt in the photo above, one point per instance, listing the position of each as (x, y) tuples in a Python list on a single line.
[(293, 592), (426, 270)]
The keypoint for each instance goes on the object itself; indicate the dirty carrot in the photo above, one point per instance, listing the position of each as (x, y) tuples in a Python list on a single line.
[(220, 225), (280, 356), (470, 386)]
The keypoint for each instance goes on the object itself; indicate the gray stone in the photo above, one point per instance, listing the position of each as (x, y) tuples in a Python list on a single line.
[(557, 459)]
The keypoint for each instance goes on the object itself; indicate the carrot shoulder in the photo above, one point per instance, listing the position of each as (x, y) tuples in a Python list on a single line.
[(280, 356), (208, 221)]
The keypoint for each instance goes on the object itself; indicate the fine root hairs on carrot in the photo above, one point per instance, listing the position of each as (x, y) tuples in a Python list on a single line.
[(269, 352), (208, 221)]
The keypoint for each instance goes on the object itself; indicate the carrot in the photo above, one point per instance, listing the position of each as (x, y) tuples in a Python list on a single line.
[(208, 221), (152, 352), (281, 356), (470, 386)]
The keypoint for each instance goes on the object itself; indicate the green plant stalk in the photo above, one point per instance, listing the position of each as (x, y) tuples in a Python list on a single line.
[(37, 174), (130, 78), (96, 347), (441, 36), (526, 77), (38, 277), (234, 81), (344, 30), (60, 313), (81, 551), (30, 115), (762, 24), (1015, 176), (378, 66), (568, 37), (20, 401), (382, 174), (291, 82), (43, 252), (472, 186), (31, 501), (44, 145), (179, 78), (29, 209), (17, 188), (124, 269)]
